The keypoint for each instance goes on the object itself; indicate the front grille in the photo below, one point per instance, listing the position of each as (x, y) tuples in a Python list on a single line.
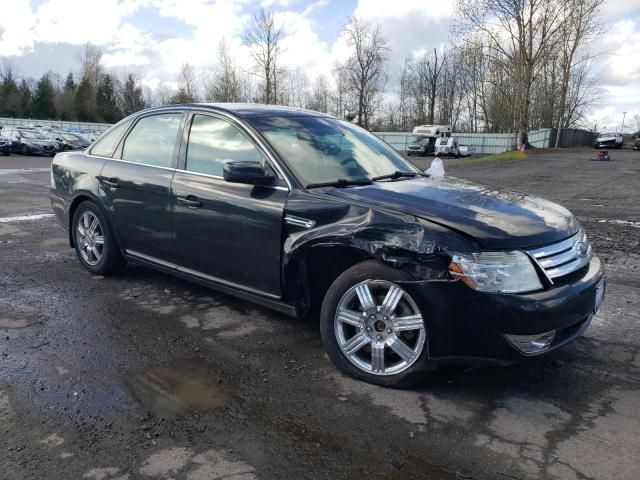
[(563, 258)]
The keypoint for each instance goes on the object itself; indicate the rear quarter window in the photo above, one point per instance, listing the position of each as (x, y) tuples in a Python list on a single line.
[(106, 146)]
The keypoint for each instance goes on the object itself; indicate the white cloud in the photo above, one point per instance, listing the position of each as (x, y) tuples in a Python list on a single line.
[(400, 9), (621, 43), (16, 23)]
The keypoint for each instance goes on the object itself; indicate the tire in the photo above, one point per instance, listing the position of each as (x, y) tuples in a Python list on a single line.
[(365, 329), (24, 150), (99, 258)]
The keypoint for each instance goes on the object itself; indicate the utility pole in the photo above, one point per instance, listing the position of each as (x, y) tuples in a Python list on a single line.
[(624, 114)]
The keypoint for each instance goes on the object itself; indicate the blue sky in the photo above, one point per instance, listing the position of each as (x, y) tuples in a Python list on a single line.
[(152, 38)]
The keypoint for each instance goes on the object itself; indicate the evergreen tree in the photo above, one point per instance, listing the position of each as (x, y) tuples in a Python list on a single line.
[(67, 99), (132, 99), (24, 96), (9, 101), (106, 106), (43, 106), (84, 101)]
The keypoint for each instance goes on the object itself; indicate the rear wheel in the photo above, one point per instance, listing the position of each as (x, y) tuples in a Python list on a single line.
[(24, 150), (372, 329), (95, 244)]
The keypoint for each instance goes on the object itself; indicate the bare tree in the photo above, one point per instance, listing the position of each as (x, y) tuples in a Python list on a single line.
[(225, 85), (187, 85), (365, 68), (90, 60), (321, 95), (578, 27), (264, 39), (520, 34)]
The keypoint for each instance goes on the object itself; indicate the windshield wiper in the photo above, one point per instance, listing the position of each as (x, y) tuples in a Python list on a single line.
[(395, 175), (341, 182)]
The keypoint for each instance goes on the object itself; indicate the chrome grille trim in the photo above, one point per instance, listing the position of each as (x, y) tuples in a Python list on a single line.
[(565, 257)]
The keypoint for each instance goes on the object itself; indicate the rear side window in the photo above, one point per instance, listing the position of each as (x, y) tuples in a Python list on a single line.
[(152, 140), (106, 146), (213, 142)]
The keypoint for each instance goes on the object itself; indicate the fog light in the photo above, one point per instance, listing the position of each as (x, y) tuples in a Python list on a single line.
[(532, 344)]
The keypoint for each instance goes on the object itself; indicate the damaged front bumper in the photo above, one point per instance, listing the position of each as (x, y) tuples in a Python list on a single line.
[(464, 325)]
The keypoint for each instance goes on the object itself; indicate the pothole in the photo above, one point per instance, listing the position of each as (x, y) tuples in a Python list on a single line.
[(177, 388)]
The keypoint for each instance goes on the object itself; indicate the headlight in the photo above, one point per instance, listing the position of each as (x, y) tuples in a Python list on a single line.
[(503, 272)]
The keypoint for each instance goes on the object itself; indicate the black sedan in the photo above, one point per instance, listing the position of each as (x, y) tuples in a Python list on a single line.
[(69, 141), (28, 141), (306, 214)]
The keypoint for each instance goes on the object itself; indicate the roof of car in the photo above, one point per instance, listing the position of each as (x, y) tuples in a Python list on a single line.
[(253, 109)]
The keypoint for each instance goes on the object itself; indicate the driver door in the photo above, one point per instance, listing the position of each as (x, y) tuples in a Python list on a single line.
[(229, 233)]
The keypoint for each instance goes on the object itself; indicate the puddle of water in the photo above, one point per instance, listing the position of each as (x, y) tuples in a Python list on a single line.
[(12, 323), (177, 388)]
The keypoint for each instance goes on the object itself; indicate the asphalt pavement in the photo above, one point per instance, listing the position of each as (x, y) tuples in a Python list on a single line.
[(144, 376)]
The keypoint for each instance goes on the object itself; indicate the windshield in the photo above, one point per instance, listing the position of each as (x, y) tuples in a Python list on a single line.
[(31, 134), (321, 149)]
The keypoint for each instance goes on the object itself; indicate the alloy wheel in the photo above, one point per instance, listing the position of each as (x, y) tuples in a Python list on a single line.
[(90, 238), (379, 328)]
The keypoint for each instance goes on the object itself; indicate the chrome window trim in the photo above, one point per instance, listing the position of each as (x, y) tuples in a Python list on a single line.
[(234, 120), (218, 177), (171, 169), (181, 170)]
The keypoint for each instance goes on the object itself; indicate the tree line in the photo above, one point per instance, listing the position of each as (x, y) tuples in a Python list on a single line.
[(510, 66)]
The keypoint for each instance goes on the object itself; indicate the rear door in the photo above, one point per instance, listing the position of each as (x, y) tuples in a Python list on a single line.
[(228, 232), (137, 182)]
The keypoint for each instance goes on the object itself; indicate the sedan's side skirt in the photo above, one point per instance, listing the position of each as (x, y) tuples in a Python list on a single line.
[(207, 281)]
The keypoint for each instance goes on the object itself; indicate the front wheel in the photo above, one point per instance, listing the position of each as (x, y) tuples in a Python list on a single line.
[(372, 329), (24, 150), (94, 241)]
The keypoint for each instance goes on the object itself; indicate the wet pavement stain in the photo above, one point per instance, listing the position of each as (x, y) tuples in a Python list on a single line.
[(14, 323), (177, 388)]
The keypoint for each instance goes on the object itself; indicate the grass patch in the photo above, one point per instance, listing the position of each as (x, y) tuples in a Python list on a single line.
[(511, 155)]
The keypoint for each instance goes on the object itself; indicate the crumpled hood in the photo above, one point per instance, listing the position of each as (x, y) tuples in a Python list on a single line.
[(494, 217)]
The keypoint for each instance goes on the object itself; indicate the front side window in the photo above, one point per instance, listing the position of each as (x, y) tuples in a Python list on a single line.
[(152, 140), (323, 149), (214, 142)]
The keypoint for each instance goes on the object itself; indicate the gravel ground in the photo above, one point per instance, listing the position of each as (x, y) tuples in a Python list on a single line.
[(144, 376)]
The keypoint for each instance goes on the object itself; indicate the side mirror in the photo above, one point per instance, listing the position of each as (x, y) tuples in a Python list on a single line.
[(247, 172)]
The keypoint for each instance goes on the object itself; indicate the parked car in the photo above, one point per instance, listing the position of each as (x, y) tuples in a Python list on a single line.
[(5, 146), (609, 140), (305, 213), (636, 144), (29, 141), (421, 145), (69, 141)]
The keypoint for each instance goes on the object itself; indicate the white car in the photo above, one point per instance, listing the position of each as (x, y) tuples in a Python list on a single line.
[(609, 140)]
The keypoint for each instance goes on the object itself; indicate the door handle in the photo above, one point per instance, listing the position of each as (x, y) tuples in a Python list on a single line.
[(110, 182), (190, 201)]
